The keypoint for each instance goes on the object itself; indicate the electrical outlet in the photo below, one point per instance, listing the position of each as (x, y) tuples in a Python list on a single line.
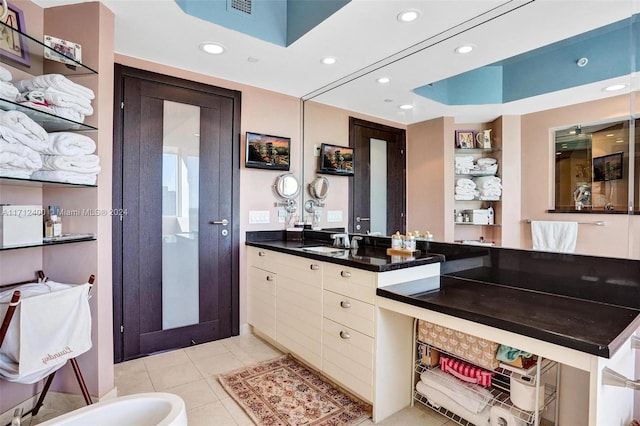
[(259, 216), (282, 216), (334, 216)]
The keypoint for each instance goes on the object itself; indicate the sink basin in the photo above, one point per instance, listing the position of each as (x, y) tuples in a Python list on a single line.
[(324, 249)]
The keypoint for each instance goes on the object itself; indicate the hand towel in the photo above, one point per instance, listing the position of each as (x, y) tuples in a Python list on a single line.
[(51, 324), (27, 131), (57, 81), (438, 399), (69, 144), (509, 354), (64, 176), (68, 113), (59, 98), (16, 155), (554, 236), (469, 395), (88, 163)]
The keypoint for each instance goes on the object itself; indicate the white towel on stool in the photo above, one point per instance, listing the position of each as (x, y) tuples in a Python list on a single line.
[(51, 325), (554, 236)]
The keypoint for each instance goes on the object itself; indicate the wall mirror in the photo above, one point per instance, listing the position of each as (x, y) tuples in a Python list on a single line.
[(524, 110), (287, 187), (319, 188)]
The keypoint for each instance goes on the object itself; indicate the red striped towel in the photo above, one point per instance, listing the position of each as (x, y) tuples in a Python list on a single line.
[(465, 371)]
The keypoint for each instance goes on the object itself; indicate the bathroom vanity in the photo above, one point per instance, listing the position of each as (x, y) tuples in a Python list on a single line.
[(351, 314)]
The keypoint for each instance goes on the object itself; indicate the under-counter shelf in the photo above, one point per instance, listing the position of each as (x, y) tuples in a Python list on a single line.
[(64, 240)]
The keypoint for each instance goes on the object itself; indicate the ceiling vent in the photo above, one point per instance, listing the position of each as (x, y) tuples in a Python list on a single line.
[(243, 6)]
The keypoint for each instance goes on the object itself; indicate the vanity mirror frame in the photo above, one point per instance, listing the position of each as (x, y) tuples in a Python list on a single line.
[(319, 188), (285, 191)]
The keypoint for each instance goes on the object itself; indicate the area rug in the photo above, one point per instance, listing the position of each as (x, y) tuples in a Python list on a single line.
[(285, 392)]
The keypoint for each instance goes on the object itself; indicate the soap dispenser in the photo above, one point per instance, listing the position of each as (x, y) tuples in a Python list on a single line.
[(490, 215)]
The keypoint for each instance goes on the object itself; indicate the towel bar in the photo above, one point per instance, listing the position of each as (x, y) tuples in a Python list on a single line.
[(597, 222)]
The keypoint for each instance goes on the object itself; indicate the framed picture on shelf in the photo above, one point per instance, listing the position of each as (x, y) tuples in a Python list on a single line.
[(63, 51), (465, 139), (267, 151), (13, 44)]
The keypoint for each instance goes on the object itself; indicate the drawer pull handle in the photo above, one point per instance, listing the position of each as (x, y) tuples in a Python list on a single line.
[(315, 267), (345, 304), (345, 274), (345, 335), (613, 378), (262, 254), (270, 278)]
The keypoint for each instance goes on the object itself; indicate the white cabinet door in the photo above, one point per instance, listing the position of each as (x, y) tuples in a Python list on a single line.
[(261, 301)]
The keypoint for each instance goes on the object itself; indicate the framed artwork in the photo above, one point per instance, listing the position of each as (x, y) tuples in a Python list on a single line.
[(13, 44), (465, 139), (336, 160), (267, 151)]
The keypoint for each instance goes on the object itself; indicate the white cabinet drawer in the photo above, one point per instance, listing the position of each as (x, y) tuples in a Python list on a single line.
[(350, 282), (305, 270), (350, 312), (348, 358), (260, 258)]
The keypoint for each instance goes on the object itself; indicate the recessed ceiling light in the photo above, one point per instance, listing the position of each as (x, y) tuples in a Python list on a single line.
[(465, 48), (409, 15), (615, 87), (213, 48), (328, 60), (383, 80), (406, 106)]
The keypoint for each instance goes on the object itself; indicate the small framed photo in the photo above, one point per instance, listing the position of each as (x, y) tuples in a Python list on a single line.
[(13, 42), (267, 151), (63, 51), (465, 139)]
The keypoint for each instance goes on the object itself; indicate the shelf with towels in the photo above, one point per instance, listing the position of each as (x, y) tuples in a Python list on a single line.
[(66, 240), (35, 183), (49, 122)]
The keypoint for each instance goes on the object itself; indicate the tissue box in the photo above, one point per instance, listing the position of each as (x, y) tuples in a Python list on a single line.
[(21, 224), (474, 349), (478, 216)]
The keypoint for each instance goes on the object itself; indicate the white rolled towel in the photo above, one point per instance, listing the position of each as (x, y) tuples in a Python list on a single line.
[(57, 81), (69, 144), (65, 176), (488, 182), (18, 156), (5, 74), (8, 91), (16, 126), (88, 163), (465, 197), (486, 161), (68, 113), (465, 183), (67, 100)]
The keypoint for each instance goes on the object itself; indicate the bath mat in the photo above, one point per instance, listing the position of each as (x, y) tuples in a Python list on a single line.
[(285, 392)]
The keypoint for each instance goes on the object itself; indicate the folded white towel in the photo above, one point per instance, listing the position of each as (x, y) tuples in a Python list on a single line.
[(51, 324), (88, 163), (486, 161), (62, 99), (465, 197), (5, 74), (18, 156), (24, 129), (70, 144), (470, 395), (465, 183), (490, 192), (64, 176), (8, 91), (15, 173), (466, 191), (439, 399), (554, 236), (57, 81), (488, 182), (68, 113), (464, 159)]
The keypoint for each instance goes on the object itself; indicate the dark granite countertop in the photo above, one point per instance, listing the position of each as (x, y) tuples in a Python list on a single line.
[(587, 303), (365, 257), (583, 325)]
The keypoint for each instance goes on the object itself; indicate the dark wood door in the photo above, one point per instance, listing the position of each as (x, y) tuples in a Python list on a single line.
[(176, 250), (390, 184)]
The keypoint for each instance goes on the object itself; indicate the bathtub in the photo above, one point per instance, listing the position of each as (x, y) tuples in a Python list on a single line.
[(143, 409)]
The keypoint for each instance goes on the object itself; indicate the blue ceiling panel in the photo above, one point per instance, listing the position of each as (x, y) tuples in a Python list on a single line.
[(545, 70), (279, 22)]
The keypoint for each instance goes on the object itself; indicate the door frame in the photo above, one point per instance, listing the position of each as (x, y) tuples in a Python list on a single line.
[(120, 73), (400, 136)]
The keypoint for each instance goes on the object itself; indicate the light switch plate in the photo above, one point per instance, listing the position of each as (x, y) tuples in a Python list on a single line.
[(258, 216), (334, 216), (282, 216), (316, 150)]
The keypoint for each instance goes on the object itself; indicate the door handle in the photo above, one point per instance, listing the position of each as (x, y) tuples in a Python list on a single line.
[(362, 219), (223, 222)]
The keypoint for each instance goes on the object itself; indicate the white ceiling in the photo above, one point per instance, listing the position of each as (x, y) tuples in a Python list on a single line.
[(365, 35)]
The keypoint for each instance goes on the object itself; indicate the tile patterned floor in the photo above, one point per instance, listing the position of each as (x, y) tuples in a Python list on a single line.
[(192, 374)]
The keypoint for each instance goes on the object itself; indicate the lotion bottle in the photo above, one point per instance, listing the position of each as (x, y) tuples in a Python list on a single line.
[(490, 215)]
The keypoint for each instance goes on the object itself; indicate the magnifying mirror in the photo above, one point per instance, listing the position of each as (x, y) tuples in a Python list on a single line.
[(287, 186), (319, 188)]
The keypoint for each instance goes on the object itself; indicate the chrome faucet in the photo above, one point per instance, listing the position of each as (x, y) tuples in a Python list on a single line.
[(340, 240)]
